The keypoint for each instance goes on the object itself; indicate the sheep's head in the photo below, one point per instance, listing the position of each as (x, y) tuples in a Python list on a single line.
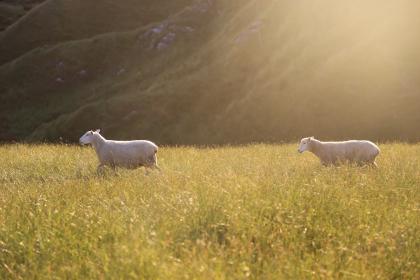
[(305, 144), (88, 137)]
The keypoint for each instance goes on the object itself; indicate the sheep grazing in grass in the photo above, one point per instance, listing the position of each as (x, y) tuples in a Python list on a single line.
[(360, 152), (127, 154)]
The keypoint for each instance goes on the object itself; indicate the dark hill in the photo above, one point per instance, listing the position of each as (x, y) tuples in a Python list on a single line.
[(213, 72)]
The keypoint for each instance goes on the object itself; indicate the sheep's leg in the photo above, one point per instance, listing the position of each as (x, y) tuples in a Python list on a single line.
[(157, 167), (152, 163), (150, 167), (155, 162), (146, 170), (326, 163), (360, 163), (100, 169), (154, 166)]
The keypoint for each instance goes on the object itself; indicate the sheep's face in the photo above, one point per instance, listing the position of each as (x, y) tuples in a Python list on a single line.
[(305, 144), (87, 138)]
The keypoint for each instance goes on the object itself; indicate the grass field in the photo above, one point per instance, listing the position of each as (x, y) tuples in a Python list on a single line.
[(258, 211)]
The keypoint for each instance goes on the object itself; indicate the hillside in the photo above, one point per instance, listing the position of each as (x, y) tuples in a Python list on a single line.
[(203, 72)]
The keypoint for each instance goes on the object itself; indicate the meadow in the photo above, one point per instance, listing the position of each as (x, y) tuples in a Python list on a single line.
[(256, 211)]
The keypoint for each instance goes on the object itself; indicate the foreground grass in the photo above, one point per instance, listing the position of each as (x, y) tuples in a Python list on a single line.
[(258, 211)]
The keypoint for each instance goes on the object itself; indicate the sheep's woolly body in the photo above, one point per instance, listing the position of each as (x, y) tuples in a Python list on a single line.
[(128, 154), (353, 151)]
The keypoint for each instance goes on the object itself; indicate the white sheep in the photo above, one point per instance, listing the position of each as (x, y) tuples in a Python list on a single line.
[(333, 153), (128, 154)]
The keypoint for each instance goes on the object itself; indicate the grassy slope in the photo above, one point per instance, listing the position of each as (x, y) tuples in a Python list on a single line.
[(333, 70), (259, 211)]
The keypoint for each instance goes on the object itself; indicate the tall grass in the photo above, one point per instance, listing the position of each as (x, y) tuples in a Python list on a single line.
[(258, 211)]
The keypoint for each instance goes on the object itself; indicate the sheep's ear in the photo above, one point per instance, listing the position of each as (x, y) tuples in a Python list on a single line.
[(98, 130)]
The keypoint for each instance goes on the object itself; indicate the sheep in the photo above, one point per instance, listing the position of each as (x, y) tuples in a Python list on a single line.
[(127, 154), (360, 152)]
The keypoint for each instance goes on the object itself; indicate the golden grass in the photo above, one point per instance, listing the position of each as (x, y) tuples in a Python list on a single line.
[(257, 211)]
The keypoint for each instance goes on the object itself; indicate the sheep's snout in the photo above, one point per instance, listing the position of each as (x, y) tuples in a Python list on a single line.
[(81, 142)]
